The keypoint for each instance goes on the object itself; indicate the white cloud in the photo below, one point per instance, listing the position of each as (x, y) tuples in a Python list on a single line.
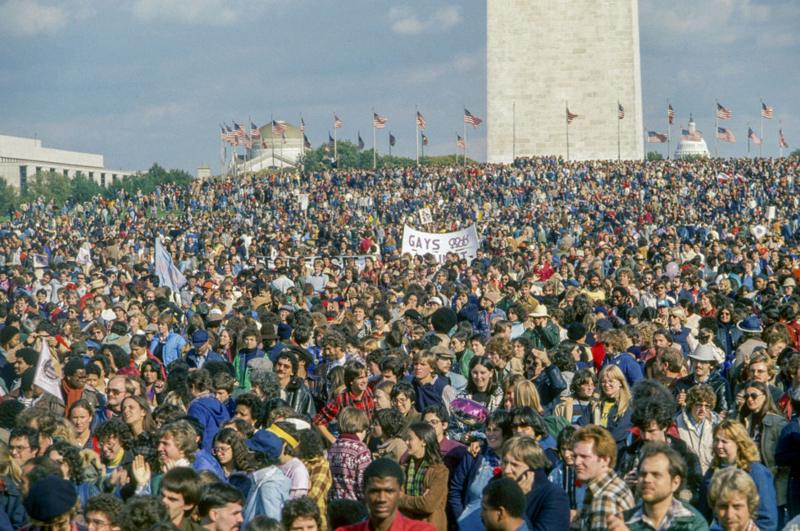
[(406, 21), (25, 18), (216, 12)]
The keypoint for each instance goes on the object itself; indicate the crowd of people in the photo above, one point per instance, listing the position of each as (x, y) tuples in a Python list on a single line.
[(623, 352)]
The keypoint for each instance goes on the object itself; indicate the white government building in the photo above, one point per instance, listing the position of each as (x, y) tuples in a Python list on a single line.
[(693, 145), (273, 151), (22, 158)]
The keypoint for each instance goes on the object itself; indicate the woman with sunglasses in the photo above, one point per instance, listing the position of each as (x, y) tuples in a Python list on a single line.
[(764, 424)]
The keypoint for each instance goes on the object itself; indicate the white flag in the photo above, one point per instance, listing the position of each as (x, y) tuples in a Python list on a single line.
[(46, 377), (168, 275)]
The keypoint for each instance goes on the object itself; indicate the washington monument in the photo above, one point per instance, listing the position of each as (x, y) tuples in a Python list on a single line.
[(545, 56)]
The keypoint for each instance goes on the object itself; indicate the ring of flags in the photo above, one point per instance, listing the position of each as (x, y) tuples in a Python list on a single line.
[(237, 134)]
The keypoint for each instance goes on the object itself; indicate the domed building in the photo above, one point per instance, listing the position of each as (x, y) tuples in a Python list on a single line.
[(274, 151), (692, 143)]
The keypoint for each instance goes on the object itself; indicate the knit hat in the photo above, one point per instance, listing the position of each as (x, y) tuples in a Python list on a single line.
[(444, 320), (49, 498), (575, 331)]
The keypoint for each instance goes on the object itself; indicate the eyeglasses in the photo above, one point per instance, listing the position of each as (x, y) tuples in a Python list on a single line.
[(703, 406), (116, 391), (222, 449), (753, 396), (17, 449)]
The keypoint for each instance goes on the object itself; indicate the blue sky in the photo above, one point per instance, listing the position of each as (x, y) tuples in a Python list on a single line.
[(146, 81)]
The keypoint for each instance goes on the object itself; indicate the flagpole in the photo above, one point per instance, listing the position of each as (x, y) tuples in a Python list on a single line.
[(374, 143), (513, 131), (761, 128), (335, 152), (748, 139), (780, 144), (566, 124), (416, 137), (465, 140), (716, 131), (619, 151), (669, 134)]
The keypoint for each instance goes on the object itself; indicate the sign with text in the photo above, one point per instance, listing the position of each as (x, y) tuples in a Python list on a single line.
[(463, 242)]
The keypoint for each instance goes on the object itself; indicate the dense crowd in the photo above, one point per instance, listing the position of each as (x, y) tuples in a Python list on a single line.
[(622, 353)]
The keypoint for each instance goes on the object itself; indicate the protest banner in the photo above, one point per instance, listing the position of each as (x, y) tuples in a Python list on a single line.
[(47, 377), (463, 243)]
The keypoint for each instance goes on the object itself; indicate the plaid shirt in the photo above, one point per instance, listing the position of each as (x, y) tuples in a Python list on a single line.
[(331, 410), (319, 483), (605, 496), (675, 512), (348, 458)]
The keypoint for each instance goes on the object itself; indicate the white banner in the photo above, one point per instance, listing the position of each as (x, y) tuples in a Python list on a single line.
[(463, 242), (46, 376)]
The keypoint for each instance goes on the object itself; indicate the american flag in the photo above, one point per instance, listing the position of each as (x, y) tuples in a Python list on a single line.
[(474, 121), (460, 142), (753, 136), (570, 116), (766, 111), (620, 111), (392, 139), (670, 114), (331, 141), (302, 125), (238, 131), (255, 132), (725, 135), (306, 142), (723, 113), (656, 138), (782, 140), (337, 123), (283, 137), (378, 121), (278, 127), (248, 142), (360, 141), (424, 139), (686, 135), (232, 136), (223, 135), (420, 121)]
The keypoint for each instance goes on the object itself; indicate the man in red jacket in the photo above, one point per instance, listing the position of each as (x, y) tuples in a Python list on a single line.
[(383, 480)]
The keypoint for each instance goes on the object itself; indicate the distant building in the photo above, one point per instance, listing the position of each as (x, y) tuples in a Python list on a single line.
[(693, 144), (273, 151), (22, 158), (541, 55), (203, 172)]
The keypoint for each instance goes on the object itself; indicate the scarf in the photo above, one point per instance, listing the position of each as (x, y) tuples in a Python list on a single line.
[(71, 394), (415, 476)]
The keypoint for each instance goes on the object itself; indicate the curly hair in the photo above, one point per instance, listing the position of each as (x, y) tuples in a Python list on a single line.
[(650, 410), (71, 455), (142, 512), (304, 506), (500, 346), (242, 459), (115, 427), (310, 446), (108, 504), (391, 422), (701, 394)]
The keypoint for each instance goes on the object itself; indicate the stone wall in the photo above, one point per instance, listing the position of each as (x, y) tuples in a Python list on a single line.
[(542, 54)]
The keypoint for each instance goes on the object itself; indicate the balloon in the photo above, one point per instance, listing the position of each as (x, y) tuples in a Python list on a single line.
[(672, 270)]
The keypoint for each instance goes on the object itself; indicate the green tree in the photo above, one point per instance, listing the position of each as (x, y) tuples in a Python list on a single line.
[(654, 155), (83, 189), (795, 153), (9, 198), (51, 186)]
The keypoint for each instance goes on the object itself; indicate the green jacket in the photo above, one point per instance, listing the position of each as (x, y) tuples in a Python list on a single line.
[(544, 338), (683, 517)]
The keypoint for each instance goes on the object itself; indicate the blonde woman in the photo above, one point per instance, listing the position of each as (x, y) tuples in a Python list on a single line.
[(612, 411), (11, 476), (526, 394), (733, 448)]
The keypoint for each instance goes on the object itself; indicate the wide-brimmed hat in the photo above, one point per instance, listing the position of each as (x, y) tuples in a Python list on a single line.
[(704, 352), (750, 324), (540, 311)]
